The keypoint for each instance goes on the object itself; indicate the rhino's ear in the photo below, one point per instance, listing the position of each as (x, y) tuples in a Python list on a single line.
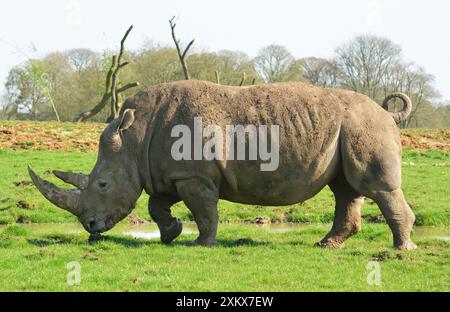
[(126, 120)]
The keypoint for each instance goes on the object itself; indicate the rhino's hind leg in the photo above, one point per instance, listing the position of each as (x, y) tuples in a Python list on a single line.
[(347, 218), (392, 204), (372, 165), (202, 202), (159, 209), (398, 215)]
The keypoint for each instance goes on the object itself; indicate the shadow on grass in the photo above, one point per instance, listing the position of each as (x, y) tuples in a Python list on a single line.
[(299, 243), (133, 242), (53, 240), (129, 242)]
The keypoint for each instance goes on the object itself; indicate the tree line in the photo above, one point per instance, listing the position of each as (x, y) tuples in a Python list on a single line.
[(63, 84)]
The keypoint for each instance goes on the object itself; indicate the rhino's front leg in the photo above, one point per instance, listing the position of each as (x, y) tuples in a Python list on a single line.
[(159, 209), (201, 199)]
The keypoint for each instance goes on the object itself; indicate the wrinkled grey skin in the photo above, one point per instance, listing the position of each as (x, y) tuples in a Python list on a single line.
[(327, 137)]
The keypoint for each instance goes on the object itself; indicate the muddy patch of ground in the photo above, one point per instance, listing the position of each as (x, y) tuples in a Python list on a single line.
[(426, 139), (50, 136), (68, 136)]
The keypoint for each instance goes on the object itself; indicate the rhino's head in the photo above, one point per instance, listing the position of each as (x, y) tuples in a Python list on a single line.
[(109, 192)]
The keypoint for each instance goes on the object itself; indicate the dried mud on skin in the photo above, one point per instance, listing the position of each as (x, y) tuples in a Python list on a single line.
[(53, 136)]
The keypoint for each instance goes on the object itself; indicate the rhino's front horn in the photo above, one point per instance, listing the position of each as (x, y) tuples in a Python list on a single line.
[(79, 180), (65, 199)]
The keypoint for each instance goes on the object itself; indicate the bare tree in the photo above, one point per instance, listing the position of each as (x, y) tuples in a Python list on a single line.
[(112, 91), (319, 71), (273, 63), (364, 61), (81, 59), (181, 55)]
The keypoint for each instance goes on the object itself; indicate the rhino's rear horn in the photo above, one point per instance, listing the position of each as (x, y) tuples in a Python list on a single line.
[(79, 180), (65, 199)]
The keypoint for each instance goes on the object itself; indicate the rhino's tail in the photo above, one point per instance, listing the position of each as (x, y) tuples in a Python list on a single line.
[(407, 106)]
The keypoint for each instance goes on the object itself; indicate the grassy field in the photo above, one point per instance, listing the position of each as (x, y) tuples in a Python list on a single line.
[(247, 259)]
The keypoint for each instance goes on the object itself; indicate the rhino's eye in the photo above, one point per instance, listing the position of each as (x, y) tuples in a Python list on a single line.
[(102, 184)]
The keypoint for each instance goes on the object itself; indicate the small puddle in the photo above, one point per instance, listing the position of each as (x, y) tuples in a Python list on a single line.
[(145, 235), (148, 231), (446, 238), (434, 232), (150, 234)]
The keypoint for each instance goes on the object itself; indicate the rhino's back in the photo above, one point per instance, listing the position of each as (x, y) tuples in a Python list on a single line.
[(308, 117), (302, 110)]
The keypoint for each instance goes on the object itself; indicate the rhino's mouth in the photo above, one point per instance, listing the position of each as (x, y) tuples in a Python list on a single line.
[(94, 226), (97, 226)]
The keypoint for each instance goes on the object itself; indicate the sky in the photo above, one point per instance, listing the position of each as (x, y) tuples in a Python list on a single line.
[(306, 28)]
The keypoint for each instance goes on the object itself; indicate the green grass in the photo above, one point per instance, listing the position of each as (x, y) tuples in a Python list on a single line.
[(265, 261), (426, 177), (35, 258)]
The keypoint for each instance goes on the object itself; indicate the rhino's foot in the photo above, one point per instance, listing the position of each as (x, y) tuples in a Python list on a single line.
[(205, 242), (406, 246), (169, 233), (94, 237), (329, 243)]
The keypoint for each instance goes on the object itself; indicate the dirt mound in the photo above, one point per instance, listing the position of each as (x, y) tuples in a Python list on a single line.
[(67, 136), (423, 139), (50, 136)]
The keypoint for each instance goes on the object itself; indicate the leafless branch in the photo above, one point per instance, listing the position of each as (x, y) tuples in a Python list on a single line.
[(183, 54), (112, 92), (242, 80), (217, 77)]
